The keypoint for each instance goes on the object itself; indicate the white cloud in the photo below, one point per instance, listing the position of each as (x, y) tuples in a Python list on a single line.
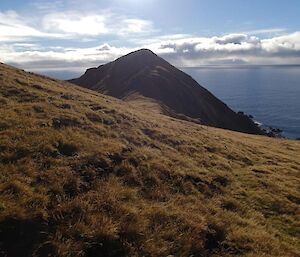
[(137, 26), (70, 25), (37, 58), (13, 27), (283, 44), (23, 42), (105, 22), (197, 51), (75, 23)]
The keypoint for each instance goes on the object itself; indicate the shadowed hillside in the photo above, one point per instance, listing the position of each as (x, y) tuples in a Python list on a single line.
[(84, 174), (144, 73)]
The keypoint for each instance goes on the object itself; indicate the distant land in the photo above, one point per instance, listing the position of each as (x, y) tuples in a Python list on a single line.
[(239, 66)]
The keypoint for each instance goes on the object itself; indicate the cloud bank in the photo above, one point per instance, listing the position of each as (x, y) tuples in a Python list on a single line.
[(232, 48), (43, 43)]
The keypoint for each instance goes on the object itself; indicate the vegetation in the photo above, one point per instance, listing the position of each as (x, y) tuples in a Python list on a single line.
[(83, 174)]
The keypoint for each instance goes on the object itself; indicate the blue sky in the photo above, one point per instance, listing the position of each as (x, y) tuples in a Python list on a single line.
[(72, 35)]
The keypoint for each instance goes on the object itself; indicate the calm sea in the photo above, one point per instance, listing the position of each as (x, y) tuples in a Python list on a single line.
[(269, 93)]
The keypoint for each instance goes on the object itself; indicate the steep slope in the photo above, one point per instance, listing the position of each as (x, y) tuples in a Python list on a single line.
[(84, 174), (145, 73)]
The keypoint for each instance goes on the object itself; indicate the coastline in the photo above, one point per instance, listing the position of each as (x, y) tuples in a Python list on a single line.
[(268, 130)]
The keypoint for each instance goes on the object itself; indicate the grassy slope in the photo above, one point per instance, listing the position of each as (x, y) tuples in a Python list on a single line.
[(83, 174)]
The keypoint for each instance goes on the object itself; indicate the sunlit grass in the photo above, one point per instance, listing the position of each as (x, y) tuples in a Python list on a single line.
[(83, 174)]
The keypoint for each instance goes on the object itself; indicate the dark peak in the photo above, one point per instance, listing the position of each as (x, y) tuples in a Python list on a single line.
[(139, 58), (151, 76), (143, 51), (140, 55)]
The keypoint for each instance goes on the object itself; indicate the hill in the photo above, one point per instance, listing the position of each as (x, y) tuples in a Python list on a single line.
[(84, 174), (144, 73)]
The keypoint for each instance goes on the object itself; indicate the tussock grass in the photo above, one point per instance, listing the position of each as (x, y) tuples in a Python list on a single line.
[(83, 174)]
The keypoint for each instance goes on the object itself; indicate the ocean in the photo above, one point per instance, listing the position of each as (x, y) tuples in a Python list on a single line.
[(271, 94)]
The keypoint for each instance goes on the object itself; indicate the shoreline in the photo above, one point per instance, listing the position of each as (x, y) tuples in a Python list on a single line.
[(268, 130)]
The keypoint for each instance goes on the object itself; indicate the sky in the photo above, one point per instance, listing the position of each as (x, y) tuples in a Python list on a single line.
[(62, 38)]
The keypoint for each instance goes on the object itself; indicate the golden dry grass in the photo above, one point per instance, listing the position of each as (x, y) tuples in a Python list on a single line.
[(83, 174)]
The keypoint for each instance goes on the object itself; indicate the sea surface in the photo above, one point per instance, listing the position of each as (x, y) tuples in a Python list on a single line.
[(271, 94)]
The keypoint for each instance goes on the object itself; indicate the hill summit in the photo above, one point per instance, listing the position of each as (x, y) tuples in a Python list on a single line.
[(146, 74)]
